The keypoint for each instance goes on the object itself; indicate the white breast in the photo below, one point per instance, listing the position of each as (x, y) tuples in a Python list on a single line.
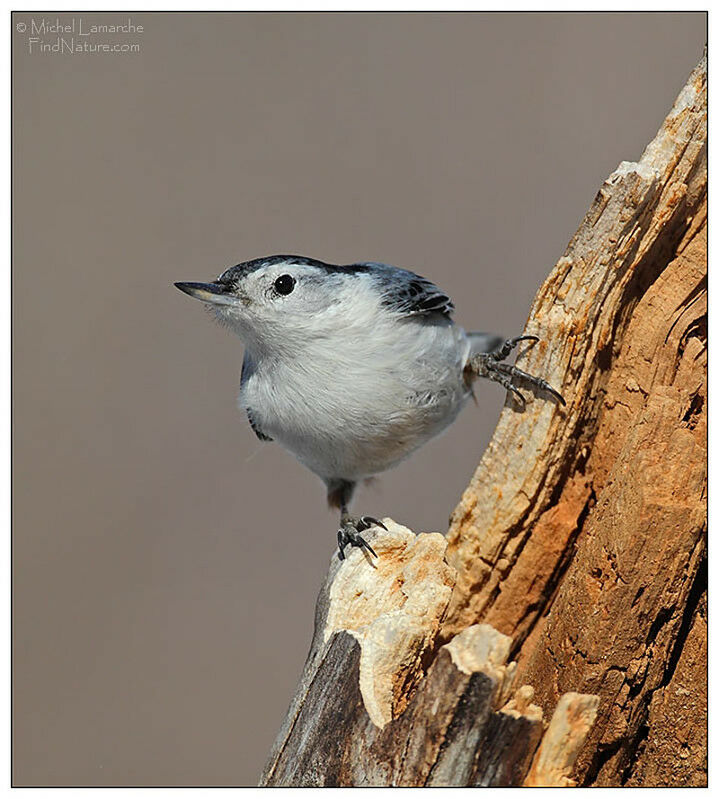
[(359, 401)]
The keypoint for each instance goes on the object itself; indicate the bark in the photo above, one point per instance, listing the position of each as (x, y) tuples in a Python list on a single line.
[(375, 630), (572, 583)]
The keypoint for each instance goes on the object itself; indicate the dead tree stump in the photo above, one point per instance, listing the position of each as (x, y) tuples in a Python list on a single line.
[(558, 635)]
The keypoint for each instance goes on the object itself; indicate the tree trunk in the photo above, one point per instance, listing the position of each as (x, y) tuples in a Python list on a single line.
[(572, 583)]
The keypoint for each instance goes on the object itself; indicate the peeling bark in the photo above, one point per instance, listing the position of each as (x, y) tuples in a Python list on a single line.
[(554, 762), (618, 615), (575, 563), (458, 727)]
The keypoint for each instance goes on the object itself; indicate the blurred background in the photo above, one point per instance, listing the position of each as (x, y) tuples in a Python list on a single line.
[(166, 562)]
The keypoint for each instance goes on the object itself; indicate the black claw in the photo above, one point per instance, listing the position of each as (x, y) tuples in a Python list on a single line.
[(349, 533), (509, 345), (490, 366), (537, 382), (518, 394), (341, 544), (361, 542), (369, 521)]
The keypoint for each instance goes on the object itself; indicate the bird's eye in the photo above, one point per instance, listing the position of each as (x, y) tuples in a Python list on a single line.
[(284, 284)]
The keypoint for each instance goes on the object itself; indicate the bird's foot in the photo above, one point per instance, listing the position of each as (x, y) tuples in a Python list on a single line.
[(489, 365), (350, 531)]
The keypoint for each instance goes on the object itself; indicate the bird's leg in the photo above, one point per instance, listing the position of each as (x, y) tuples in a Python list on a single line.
[(489, 365), (350, 531), (339, 494)]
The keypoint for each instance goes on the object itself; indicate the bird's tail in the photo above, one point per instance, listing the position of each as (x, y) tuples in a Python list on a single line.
[(484, 342)]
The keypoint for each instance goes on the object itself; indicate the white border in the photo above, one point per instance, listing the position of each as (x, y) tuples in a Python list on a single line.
[(288, 5)]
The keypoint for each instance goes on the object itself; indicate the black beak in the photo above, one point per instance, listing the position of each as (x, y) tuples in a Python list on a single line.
[(216, 293), (193, 289)]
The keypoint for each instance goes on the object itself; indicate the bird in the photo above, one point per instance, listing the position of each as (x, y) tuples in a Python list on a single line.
[(352, 368)]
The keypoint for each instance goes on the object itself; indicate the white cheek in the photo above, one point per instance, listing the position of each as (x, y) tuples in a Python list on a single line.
[(234, 319)]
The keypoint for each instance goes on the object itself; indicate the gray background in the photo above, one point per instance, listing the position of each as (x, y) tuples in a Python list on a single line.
[(165, 561)]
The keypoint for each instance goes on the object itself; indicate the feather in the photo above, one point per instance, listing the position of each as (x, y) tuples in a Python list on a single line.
[(408, 293)]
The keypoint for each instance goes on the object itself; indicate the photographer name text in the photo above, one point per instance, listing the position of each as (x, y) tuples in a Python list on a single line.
[(79, 36)]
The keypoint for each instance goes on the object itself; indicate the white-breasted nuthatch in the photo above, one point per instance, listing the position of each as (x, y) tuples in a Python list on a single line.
[(351, 368)]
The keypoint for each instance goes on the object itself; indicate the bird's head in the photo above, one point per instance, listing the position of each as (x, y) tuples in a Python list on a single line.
[(281, 300)]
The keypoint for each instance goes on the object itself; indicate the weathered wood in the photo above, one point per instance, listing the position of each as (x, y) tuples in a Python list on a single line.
[(672, 747), (440, 737), (582, 533), (554, 762), (616, 620), (578, 549), (504, 754), (343, 667), (516, 525), (455, 728)]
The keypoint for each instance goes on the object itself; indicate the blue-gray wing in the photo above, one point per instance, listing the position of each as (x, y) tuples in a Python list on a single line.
[(246, 371), (407, 293)]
